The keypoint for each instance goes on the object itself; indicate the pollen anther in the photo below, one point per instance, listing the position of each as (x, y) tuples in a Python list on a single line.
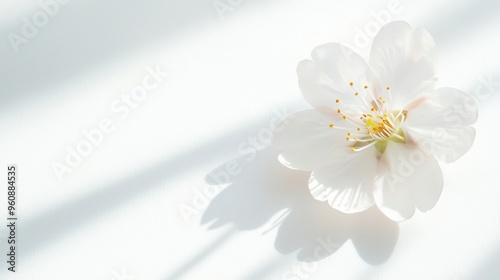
[(377, 123)]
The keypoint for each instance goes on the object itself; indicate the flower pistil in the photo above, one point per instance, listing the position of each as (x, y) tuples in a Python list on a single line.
[(372, 122)]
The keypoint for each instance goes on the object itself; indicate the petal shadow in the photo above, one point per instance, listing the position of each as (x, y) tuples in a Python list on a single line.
[(263, 187)]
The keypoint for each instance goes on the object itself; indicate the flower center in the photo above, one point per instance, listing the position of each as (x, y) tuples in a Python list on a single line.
[(371, 121)]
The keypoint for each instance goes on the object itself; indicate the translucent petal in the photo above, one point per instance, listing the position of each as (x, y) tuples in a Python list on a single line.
[(328, 75), (308, 140), (403, 60), (409, 178), (346, 181)]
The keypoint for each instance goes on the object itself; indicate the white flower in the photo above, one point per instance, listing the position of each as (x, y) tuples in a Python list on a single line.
[(376, 129)]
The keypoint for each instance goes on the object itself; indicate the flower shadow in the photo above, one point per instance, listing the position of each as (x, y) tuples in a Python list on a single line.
[(263, 188)]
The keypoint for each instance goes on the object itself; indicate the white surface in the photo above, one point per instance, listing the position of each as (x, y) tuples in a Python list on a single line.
[(118, 211)]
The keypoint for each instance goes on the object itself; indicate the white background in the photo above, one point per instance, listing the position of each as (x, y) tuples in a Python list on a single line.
[(117, 214)]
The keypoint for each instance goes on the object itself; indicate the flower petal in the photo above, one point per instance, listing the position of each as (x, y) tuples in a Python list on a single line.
[(328, 76), (446, 144), (404, 61), (439, 123), (307, 140), (444, 107), (346, 181), (409, 178)]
